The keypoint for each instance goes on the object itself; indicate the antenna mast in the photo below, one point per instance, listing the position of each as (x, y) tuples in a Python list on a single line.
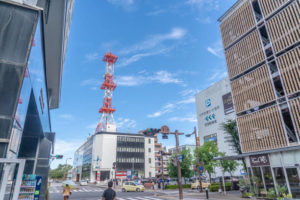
[(107, 122)]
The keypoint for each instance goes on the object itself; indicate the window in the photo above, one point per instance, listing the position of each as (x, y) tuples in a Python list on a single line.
[(149, 160), (150, 174), (149, 141), (294, 181), (149, 150)]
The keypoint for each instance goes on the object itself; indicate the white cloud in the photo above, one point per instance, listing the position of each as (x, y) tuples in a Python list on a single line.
[(216, 49), (206, 20), (125, 124), (127, 61), (189, 118), (66, 148), (143, 77), (187, 97), (92, 56), (92, 82), (66, 116), (155, 40), (165, 109), (189, 100), (129, 81), (189, 92), (209, 5), (156, 12), (218, 75), (125, 4)]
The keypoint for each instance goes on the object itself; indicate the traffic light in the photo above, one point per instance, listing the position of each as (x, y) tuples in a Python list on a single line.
[(151, 131), (59, 156)]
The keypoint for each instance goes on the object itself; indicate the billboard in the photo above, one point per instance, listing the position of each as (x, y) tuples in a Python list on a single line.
[(228, 103)]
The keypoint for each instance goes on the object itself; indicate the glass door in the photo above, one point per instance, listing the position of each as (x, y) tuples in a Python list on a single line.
[(294, 181)]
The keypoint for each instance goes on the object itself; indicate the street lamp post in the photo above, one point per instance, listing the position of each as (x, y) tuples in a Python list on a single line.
[(66, 166), (198, 161)]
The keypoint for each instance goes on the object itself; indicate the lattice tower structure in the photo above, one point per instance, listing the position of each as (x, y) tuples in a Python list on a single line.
[(107, 122)]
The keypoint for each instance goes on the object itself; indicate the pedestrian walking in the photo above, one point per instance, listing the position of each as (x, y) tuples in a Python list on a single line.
[(109, 193), (153, 185), (67, 192)]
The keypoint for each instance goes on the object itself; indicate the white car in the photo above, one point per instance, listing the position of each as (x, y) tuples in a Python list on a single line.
[(83, 182)]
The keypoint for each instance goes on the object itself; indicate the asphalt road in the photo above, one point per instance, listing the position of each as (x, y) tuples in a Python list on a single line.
[(95, 193)]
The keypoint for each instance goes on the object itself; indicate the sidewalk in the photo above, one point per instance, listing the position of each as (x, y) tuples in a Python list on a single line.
[(188, 195)]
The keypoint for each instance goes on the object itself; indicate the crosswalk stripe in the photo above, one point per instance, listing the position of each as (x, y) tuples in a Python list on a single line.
[(151, 198)]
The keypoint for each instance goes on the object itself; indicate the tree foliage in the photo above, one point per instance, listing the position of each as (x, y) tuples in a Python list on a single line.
[(228, 165), (186, 164), (230, 127), (207, 152), (60, 171)]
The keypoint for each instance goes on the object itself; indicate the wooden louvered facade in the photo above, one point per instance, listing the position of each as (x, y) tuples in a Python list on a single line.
[(261, 130), (245, 54), (233, 27), (270, 6), (295, 107), (284, 27), (289, 65), (253, 89)]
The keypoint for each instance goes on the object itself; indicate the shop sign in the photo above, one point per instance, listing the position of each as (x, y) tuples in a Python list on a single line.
[(259, 160), (211, 138), (98, 176), (228, 103)]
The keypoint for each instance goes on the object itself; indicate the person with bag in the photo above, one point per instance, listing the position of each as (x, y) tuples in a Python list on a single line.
[(67, 192)]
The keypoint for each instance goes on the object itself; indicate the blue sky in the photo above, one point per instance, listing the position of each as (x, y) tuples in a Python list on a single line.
[(168, 51)]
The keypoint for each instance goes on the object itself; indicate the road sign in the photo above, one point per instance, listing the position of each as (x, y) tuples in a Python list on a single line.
[(129, 174), (201, 169), (180, 157), (165, 136), (165, 130)]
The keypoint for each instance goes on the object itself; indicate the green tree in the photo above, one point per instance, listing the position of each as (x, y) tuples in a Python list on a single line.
[(185, 165), (230, 127), (207, 152), (60, 171), (228, 165)]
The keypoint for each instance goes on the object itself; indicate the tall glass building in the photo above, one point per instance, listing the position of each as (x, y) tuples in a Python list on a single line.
[(33, 39)]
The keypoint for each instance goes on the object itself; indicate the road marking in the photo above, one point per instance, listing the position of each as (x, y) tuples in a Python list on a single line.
[(152, 198)]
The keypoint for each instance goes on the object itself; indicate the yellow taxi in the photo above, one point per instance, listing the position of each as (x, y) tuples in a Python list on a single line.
[(196, 185), (130, 186)]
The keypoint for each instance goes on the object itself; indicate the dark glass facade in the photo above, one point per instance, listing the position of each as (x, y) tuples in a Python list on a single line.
[(24, 114), (130, 154)]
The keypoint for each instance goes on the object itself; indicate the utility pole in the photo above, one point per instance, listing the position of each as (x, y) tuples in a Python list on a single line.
[(178, 165), (66, 168), (162, 167), (198, 159), (165, 131)]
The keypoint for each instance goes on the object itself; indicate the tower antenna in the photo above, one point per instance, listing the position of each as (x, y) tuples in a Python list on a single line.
[(107, 122)]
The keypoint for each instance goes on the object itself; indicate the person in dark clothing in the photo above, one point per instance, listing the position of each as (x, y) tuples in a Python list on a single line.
[(109, 193)]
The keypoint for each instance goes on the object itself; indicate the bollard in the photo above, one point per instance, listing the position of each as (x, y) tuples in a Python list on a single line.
[(206, 191)]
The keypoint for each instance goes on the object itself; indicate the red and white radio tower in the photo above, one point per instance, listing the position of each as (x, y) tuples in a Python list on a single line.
[(107, 122)]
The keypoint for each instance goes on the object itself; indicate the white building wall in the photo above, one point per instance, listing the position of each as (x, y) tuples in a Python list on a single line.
[(149, 167), (212, 111), (104, 147)]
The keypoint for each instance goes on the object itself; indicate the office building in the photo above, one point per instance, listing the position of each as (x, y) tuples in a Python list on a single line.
[(214, 106), (261, 41), (109, 155), (33, 43)]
